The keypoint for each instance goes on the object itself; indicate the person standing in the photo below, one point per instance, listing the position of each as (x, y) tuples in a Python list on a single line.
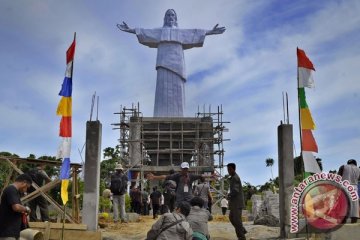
[(145, 205), (118, 188), (169, 192), (40, 177), (236, 202), (11, 209), (183, 181), (202, 190), (155, 200), (351, 173), (137, 200), (132, 198), (224, 205)]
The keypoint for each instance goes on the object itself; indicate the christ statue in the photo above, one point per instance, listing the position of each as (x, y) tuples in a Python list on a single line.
[(170, 42)]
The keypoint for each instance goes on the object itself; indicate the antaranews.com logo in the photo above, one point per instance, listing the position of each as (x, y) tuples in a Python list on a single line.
[(323, 199)]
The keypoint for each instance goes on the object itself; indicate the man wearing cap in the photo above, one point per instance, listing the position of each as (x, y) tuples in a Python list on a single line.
[(118, 188), (183, 180)]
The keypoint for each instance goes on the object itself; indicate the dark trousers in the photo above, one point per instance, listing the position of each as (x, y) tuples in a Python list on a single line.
[(235, 219), (156, 208), (137, 207), (145, 208), (223, 209), (169, 200), (43, 206)]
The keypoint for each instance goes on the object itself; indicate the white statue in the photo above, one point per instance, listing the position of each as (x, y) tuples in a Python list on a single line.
[(170, 64)]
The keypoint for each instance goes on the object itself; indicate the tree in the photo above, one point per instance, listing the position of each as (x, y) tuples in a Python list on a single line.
[(298, 166), (248, 190), (269, 163), (111, 158)]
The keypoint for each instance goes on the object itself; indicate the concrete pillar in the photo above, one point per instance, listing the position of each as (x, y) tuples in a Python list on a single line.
[(92, 175), (286, 176)]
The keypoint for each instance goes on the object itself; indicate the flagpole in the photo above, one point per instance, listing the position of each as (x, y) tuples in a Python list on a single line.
[(63, 223)]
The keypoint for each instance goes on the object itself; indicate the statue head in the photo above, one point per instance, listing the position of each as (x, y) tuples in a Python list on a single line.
[(170, 19)]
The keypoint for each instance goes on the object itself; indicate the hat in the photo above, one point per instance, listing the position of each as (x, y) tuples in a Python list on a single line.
[(184, 165), (119, 167)]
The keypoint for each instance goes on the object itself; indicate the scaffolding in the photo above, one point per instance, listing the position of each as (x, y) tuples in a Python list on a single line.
[(160, 144)]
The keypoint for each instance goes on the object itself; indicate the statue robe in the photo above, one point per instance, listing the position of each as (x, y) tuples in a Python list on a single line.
[(170, 65)]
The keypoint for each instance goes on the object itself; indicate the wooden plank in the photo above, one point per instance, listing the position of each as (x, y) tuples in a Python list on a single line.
[(47, 231), (45, 188), (75, 235), (55, 234), (68, 226)]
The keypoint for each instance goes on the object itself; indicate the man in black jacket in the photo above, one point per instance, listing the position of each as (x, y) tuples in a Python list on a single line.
[(11, 209), (236, 202)]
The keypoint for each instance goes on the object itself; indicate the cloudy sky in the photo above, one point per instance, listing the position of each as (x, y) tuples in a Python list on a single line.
[(245, 70)]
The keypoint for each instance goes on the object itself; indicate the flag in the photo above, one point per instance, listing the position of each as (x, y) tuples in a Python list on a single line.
[(65, 169), (306, 119), (305, 68), (310, 163), (64, 148), (64, 109), (308, 141), (65, 127), (66, 88), (64, 191)]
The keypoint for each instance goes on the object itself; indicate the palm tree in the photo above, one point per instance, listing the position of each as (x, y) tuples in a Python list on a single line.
[(269, 163)]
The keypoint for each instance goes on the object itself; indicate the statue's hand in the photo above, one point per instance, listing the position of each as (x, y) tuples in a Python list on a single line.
[(216, 30), (124, 27)]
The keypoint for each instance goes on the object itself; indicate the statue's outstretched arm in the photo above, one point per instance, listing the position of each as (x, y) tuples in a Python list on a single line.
[(124, 27), (216, 30)]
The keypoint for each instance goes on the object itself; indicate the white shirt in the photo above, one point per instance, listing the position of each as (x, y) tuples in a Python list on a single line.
[(224, 203)]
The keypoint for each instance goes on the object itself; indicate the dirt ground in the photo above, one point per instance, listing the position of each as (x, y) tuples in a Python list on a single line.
[(220, 229)]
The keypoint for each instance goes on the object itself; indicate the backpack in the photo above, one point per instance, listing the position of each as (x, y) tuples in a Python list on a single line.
[(117, 185)]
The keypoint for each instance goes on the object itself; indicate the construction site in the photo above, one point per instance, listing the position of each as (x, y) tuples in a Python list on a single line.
[(161, 144)]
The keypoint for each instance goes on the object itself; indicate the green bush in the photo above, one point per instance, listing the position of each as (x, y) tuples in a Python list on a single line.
[(249, 205)]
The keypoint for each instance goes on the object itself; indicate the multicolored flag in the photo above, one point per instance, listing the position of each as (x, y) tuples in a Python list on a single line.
[(308, 143), (305, 68), (64, 109)]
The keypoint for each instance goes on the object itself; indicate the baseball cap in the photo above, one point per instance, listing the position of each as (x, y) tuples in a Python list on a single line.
[(184, 165)]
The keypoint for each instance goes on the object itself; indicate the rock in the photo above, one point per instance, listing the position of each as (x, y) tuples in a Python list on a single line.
[(133, 217), (267, 220)]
